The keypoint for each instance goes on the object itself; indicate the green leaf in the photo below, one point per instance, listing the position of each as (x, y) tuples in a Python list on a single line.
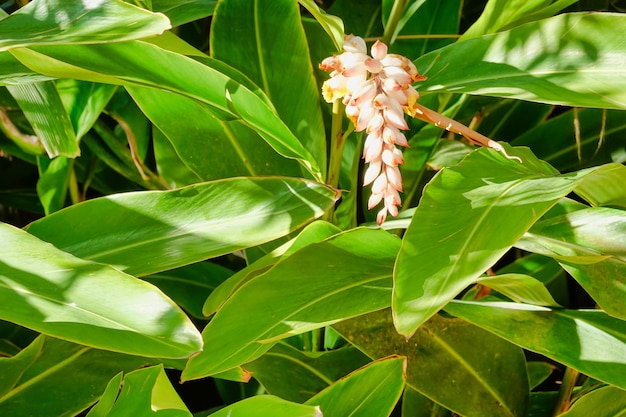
[(605, 187), (456, 355), (267, 405), (53, 292), (313, 233), (184, 11), (137, 63), (538, 372), (521, 288), (250, 36), (468, 217), (415, 404), (589, 244), (344, 276), (14, 72), (297, 376), (370, 391), (144, 392), (331, 24), (53, 182), (153, 231), (234, 149), (35, 382), (589, 341), (603, 402), (546, 61), (76, 21), (501, 14), (44, 110), (84, 102), (104, 406)]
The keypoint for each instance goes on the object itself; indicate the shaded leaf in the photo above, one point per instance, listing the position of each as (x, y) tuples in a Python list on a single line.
[(183, 11), (41, 371), (297, 376), (589, 341), (456, 355), (153, 231), (603, 402), (53, 292), (370, 391), (538, 372), (53, 182)]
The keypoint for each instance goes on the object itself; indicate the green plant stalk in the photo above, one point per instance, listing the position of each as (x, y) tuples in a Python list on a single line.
[(394, 18), (75, 195), (337, 143), (565, 392)]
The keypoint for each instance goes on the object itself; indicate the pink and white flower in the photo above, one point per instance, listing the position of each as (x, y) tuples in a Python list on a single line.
[(376, 91)]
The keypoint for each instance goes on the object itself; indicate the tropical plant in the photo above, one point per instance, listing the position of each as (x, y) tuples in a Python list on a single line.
[(179, 201)]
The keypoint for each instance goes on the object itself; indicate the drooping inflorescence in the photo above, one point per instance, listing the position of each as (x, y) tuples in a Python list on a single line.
[(376, 91)]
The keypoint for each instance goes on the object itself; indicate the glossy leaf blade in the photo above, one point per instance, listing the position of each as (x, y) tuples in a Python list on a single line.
[(40, 371), (250, 36), (184, 11), (145, 393), (545, 61), (468, 217), (332, 25), (267, 405), (590, 245), (77, 21), (44, 109), (370, 391), (456, 355), (322, 283), (55, 293), (589, 341), (138, 63), (603, 402), (153, 231)]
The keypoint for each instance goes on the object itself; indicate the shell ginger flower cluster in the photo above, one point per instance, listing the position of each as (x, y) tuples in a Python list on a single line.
[(376, 91)]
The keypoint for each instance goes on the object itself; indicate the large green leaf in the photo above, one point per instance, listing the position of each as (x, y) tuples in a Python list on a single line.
[(147, 232), (139, 63), (454, 354), (603, 402), (35, 382), (54, 176), (590, 245), (468, 217), (77, 21), (344, 276), (371, 391), (250, 36), (570, 59), (267, 405), (297, 376), (145, 392), (211, 148), (184, 11), (504, 14), (53, 292), (589, 341)]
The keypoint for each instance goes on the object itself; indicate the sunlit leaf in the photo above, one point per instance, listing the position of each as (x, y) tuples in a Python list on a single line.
[(520, 288), (545, 61), (267, 405), (183, 11), (603, 402), (344, 276), (372, 390), (77, 21), (55, 293), (153, 231), (468, 217), (331, 24)]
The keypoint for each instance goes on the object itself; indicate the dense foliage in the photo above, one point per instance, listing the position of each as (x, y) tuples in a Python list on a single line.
[(179, 202)]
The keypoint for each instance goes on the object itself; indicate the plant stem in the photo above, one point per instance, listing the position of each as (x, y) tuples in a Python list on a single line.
[(565, 392), (337, 143), (75, 195), (394, 18)]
